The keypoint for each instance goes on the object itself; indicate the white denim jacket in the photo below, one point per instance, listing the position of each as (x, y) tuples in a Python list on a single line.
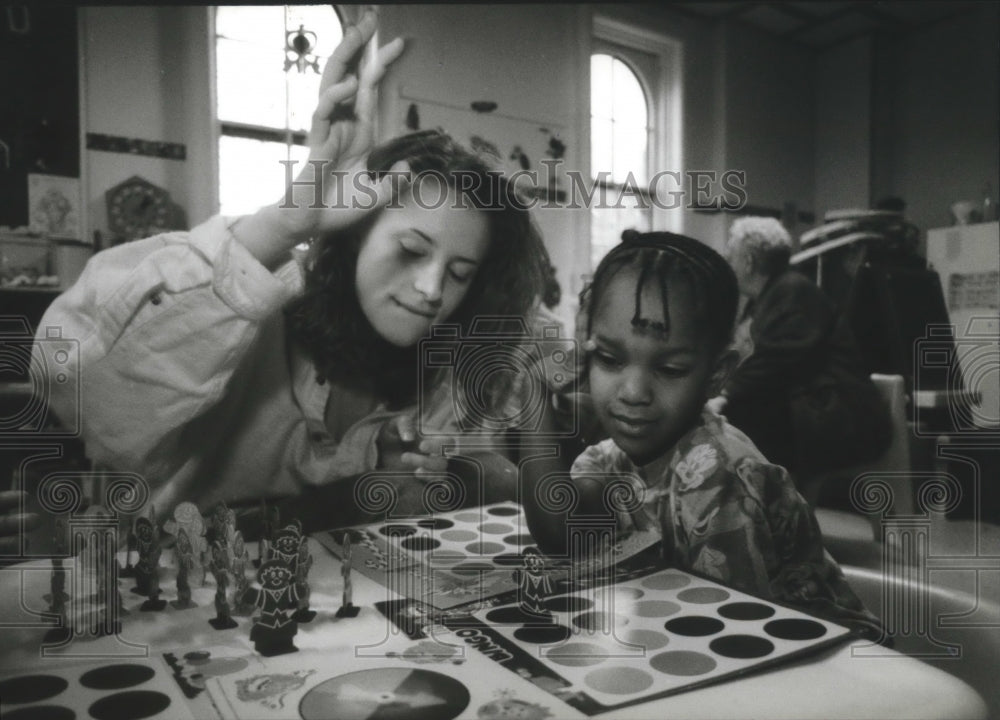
[(178, 370)]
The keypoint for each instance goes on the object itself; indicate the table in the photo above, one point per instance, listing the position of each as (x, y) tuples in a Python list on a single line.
[(834, 683)]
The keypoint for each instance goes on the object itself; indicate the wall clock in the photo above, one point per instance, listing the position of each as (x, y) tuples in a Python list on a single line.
[(137, 208)]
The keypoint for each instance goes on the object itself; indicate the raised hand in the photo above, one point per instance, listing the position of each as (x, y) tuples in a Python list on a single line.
[(341, 135)]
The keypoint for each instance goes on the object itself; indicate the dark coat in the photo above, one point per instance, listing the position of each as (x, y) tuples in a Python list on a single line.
[(803, 396)]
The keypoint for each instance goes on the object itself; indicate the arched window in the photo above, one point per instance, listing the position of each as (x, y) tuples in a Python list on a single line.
[(266, 92), (621, 139)]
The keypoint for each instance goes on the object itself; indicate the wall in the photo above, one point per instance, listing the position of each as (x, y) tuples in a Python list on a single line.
[(146, 76), (769, 112), (947, 119), (843, 138), (915, 116)]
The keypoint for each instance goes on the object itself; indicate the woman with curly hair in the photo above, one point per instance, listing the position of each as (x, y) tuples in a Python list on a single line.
[(224, 364)]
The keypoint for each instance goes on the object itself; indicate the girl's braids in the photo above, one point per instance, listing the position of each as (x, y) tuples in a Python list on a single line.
[(663, 257)]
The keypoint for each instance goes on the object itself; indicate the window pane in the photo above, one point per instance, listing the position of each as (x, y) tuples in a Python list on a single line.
[(250, 174), (628, 98), (607, 224), (601, 146), (250, 84), (255, 24), (600, 85), (629, 153), (303, 91)]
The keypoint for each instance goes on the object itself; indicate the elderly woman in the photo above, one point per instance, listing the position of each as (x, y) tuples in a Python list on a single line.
[(801, 393)]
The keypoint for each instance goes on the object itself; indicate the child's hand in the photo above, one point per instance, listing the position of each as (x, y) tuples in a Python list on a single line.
[(12, 522), (401, 447)]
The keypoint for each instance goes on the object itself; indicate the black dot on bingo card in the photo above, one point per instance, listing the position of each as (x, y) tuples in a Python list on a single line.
[(31, 688), (741, 646), (694, 625), (435, 523), (197, 657), (421, 543), (116, 677), (471, 568), (745, 611), (34, 712), (543, 634), (703, 595), (397, 530), (568, 603), (510, 615), (131, 705), (795, 629), (503, 511)]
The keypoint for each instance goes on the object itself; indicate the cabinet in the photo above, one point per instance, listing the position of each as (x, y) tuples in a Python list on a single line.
[(967, 259)]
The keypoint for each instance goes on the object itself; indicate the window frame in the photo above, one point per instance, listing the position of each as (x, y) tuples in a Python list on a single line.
[(664, 98), (250, 131)]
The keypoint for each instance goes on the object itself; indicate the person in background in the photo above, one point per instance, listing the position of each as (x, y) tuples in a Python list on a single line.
[(801, 394), (659, 318), (223, 365)]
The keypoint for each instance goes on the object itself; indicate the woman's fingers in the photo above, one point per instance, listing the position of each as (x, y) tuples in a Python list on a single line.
[(348, 51), (328, 101), (370, 76)]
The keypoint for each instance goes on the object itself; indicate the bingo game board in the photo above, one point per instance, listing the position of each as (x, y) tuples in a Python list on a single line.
[(612, 646), (455, 558)]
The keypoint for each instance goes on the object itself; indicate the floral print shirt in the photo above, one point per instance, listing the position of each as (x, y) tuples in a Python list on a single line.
[(723, 511)]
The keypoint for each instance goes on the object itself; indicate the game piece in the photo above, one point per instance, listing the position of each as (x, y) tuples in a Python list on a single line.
[(184, 557), (303, 563), (274, 629), (347, 607), (144, 547), (187, 517), (534, 586), (151, 567), (129, 570), (57, 597), (269, 518), (239, 559), (285, 547), (223, 619)]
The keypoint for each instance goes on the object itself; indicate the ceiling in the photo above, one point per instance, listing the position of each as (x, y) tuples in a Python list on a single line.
[(824, 24)]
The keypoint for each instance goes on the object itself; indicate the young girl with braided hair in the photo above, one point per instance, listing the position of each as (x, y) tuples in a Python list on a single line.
[(657, 320)]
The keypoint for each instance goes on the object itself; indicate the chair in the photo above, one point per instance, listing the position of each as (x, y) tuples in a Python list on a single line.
[(851, 537)]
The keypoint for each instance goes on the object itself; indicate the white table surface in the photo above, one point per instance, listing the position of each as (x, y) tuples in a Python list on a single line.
[(835, 683)]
